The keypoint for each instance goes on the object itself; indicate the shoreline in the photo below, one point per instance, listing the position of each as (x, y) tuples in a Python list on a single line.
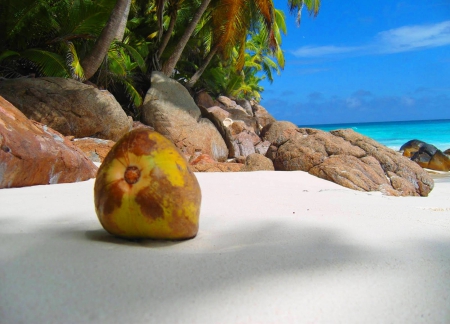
[(439, 176)]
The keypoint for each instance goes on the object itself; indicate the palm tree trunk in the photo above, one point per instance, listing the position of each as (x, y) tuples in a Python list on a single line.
[(123, 24), (203, 67), (167, 35), (94, 59), (169, 66), (159, 14)]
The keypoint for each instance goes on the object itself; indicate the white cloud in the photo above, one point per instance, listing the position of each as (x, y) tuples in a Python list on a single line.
[(403, 39), (314, 51), (410, 38)]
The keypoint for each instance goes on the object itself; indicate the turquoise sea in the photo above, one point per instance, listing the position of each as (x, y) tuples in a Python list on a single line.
[(395, 134)]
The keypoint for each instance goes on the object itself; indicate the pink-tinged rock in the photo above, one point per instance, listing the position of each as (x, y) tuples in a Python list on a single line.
[(237, 127), (139, 125), (263, 117), (240, 108), (217, 167), (34, 154), (245, 143), (245, 104), (227, 102), (262, 147), (219, 113), (205, 163), (279, 132), (248, 135), (201, 159), (95, 149), (250, 122)]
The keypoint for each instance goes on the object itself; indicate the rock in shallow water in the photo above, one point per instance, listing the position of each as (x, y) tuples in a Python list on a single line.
[(426, 155), (409, 148)]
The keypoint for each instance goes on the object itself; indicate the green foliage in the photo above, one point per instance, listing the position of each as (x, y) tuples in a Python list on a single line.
[(51, 38), (47, 63)]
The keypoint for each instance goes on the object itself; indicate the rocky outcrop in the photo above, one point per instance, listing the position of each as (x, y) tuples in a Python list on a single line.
[(414, 178), (203, 99), (204, 163), (138, 125), (246, 105), (217, 167), (262, 147), (240, 138), (171, 111), (347, 158), (68, 106), (34, 154), (257, 162), (245, 142), (250, 122), (262, 116), (439, 162), (237, 123), (221, 128), (278, 133), (411, 147), (426, 155), (227, 102), (94, 148), (218, 112)]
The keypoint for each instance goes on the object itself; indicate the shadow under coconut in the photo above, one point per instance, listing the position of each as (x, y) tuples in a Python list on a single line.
[(100, 235)]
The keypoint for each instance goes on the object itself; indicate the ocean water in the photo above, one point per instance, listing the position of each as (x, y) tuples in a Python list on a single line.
[(395, 134)]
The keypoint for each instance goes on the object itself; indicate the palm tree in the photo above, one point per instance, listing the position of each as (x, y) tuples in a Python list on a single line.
[(173, 6), (170, 64), (94, 59), (42, 36), (231, 23), (123, 23), (297, 6), (61, 33)]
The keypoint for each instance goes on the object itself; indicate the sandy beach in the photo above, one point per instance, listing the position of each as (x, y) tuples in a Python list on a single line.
[(273, 247)]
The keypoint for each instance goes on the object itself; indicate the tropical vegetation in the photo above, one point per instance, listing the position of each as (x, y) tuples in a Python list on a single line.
[(226, 47)]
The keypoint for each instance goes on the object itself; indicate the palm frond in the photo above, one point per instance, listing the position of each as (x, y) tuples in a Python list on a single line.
[(74, 63), (48, 63), (313, 7), (134, 54), (116, 62), (132, 92), (8, 54), (84, 18)]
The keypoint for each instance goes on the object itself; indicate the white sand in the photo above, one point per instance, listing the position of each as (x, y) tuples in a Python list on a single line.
[(273, 247)]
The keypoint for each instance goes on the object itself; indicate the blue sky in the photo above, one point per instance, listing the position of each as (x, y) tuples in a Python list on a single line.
[(364, 61)]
